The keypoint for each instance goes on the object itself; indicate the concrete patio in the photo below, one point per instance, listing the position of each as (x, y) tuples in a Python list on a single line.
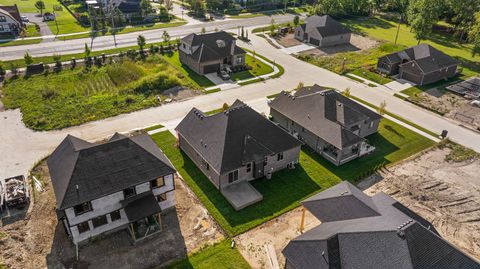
[(241, 195)]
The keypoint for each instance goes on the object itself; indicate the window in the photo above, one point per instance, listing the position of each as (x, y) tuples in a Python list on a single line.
[(3, 19), (184, 46), (1, 28), (249, 167), (205, 164), (265, 161), (115, 215), (82, 208), (99, 221), (303, 129), (83, 227), (280, 156), (129, 192), (162, 197), (293, 123), (239, 59), (371, 124), (233, 176), (159, 182)]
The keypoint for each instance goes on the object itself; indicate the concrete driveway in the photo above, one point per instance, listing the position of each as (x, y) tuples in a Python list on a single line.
[(44, 29)]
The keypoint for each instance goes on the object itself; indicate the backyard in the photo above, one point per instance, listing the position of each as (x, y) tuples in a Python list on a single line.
[(393, 143), (259, 68), (73, 97)]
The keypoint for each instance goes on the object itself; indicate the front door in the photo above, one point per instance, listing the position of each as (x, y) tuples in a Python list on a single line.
[(258, 171)]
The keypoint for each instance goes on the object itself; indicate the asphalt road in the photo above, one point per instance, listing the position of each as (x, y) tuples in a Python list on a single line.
[(126, 40), (21, 148)]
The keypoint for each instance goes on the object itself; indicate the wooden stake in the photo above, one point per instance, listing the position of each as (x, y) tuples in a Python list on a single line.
[(302, 222)]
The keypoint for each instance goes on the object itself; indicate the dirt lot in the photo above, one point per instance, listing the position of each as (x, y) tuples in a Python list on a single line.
[(288, 40), (445, 193), (357, 42), (39, 242), (454, 106)]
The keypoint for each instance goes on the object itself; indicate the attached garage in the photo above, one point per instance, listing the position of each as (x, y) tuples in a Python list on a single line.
[(314, 41), (212, 68), (416, 78)]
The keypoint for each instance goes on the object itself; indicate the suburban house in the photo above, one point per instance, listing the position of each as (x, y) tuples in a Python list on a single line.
[(126, 182), (422, 64), (208, 53), (322, 31), (236, 146), (10, 20), (363, 232), (328, 122), (125, 6)]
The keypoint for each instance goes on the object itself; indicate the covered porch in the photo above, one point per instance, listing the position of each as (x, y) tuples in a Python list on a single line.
[(143, 213)]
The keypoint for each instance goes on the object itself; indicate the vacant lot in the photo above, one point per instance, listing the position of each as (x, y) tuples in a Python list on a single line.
[(73, 97), (287, 188)]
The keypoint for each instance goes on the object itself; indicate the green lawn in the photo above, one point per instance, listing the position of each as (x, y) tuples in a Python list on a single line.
[(20, 42), (313, 174), (202, 81), (440, 85), (383, 29), (154, 127), (372, 76), (220, 256), (73, 97), (259, 68)]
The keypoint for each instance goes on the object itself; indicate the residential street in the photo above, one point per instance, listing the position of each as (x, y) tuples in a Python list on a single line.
[(21, 148)]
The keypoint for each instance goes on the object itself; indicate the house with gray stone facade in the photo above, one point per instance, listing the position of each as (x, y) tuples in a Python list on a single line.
[(322, 31), (209, 53), (124, 183), (328, 122), (363, 232), (236, 146)]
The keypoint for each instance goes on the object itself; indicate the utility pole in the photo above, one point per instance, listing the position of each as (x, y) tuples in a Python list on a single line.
[(55, 18), (285, 9), (113, 25), (398, 29)]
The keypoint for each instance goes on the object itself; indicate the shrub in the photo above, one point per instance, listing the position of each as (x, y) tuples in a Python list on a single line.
[(48, 93), (156, 83), (123, 73)]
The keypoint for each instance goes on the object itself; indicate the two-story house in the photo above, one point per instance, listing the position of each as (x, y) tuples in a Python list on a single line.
[(10, 20), (236, 146), (125, 182), (208, 53), (328, 122)]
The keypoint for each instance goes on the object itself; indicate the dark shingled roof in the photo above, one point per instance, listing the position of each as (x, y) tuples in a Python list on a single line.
[(13, 11), (99, 170), (428, 58), (470, 87), (324, 112), (227, 140), (325, 26), (212, 46), (390, 239), (140, 206)]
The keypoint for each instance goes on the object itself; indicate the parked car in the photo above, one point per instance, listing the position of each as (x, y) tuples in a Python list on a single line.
[(475, 103), (224, 75), (25, 19)]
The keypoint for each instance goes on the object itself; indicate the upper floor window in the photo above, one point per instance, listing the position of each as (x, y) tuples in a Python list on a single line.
[(249, 167), (280, 156), (99, 221), (233, 176), (205, 164), (115, 215), (3, 19), (371, 124), (162, 197), (159, 182), (1, 28), (82, 208), (83, 227), (129, 192)]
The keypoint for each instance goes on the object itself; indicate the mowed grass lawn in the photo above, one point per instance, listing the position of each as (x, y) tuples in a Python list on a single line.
[(259, 68), (288, 187), (73, 97), (66, 22), (202, 81), (220, 256)]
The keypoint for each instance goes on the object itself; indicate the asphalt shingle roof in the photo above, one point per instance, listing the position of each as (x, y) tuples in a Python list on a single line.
[(212, 46), (324, 112), (140, 206), (83, 171), (325, 26), (227, 140), (390, 239)]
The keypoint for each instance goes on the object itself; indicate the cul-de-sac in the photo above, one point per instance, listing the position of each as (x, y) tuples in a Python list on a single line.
[(238, 134)]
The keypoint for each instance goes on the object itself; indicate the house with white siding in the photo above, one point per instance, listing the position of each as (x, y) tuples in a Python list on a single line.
[(124, 183), (10, 20)]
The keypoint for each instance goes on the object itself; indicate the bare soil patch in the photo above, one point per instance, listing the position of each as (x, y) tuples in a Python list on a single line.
[(357, 43), (38, 241), (288, 40), (445, 193)]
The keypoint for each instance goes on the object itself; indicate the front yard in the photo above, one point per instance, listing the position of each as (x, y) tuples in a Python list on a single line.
[(287, 188), (202, 81), (259, 68)]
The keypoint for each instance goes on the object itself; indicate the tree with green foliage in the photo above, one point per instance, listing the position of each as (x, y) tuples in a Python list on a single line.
[(203, 31), (272, 27), (28, 58), (166, 37), (2, 70), (474, 35), (141, 42), (422, 16), (87, 51), (382, 108), (296, 20), (145, 7), (463, 15), (40, 5), (197, 7)]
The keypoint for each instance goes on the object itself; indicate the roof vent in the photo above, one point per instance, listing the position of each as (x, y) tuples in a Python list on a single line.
[(220, 43)]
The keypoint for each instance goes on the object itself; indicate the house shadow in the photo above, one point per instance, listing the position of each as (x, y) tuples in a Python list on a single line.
[(338, 49), (116, 250), (356, 24), (13, 214)]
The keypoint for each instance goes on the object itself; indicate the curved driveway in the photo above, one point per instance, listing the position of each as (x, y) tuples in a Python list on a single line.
[(20, 147)]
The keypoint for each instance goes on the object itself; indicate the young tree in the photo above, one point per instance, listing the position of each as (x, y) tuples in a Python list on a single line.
[(168, 4), (422, 15), (225, 107), (382, 108), (347, 92), (474, 35), (203, 30), (28, 58), (145, 7), (87, 51), (272, 27), (166, 37), (296, 20), (300, 85), (40, 5), (141, 42)]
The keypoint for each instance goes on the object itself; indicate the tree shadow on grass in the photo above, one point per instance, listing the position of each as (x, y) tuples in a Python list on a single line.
[(356, 24)]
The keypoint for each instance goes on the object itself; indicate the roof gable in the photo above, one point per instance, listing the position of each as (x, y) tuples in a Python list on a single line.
[(212, 46), (324, 26)]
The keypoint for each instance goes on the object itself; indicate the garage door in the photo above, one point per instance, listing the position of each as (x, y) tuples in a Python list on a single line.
[(411, 77), (314, 41), (213, 68)]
